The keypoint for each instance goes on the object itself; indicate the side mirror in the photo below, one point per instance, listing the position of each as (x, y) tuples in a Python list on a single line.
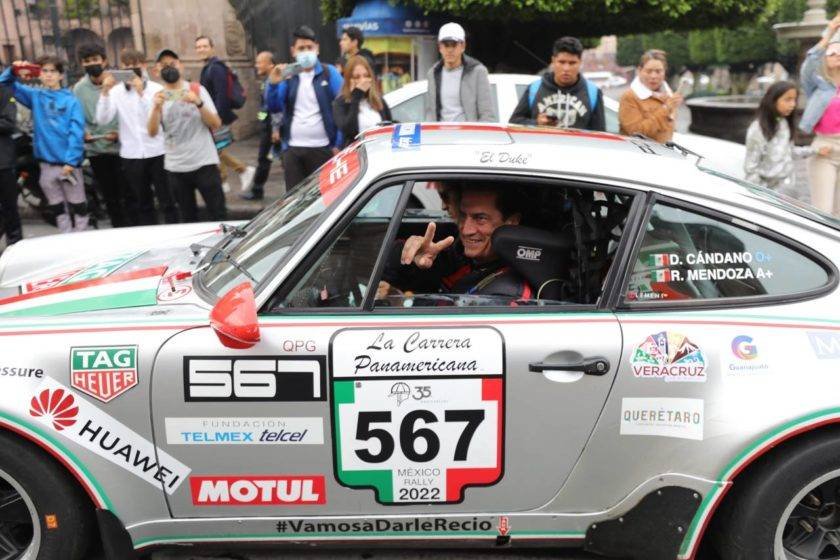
[(234, 318)]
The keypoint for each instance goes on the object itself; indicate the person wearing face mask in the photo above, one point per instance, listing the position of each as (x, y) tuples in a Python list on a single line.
[(141, 155), (102, 146), (649, 106), (820, 76), (58, 132), (187, 115), (304, 93), (359, 105)]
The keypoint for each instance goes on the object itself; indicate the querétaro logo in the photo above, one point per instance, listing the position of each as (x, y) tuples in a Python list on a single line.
[(259, 490), (255, 378), (103, 372), (58, 405), (670, 356)]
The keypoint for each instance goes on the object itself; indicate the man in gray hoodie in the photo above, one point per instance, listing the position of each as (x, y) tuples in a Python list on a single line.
[(459, 88)]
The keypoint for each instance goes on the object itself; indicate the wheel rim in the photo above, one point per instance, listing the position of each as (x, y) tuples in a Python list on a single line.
[(20, 529), (809, 528)]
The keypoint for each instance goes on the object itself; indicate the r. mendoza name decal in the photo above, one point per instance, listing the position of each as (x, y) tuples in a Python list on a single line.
[(57, 407), (418, 414)]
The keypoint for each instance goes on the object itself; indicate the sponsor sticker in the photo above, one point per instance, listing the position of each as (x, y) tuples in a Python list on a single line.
[(91, 272), (670, 356), (21, 372), (58, 408), (676, 418), (826, 345), (258, 490), (244, 431), (418, 414), (745, 359), (419, 526), (103, 372), (406, 136), (254, 379)]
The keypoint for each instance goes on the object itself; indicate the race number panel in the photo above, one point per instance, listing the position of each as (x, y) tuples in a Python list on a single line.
[(418, 414)]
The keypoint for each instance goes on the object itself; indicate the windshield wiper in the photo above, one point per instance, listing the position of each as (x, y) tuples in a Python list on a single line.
[(214, 250), (235, 231)]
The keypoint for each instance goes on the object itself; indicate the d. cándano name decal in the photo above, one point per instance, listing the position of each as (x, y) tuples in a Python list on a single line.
[(670, 356)]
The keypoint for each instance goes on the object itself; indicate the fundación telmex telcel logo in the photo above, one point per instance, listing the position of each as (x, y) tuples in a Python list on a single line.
[(743, 347)]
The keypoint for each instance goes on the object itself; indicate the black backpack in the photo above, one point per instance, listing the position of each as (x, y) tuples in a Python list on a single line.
[(235, 93)]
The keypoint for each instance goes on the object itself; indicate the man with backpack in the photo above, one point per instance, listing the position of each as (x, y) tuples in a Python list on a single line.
[(228, 94), (562, 97)]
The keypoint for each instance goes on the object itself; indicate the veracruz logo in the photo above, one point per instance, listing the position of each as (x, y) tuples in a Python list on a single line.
[(58, 405), (266, 490)]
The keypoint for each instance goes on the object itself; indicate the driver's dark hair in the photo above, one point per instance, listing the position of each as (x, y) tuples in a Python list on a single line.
[(508, 199)]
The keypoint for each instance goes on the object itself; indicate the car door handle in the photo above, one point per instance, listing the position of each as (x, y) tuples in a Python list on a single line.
[(589, 366)]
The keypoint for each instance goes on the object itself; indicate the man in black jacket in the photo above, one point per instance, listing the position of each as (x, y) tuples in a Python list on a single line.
[(350, 45), (8, 184), (562, 97)]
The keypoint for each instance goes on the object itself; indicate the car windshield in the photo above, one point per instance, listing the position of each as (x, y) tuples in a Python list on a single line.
[(267, 238), (780, 200)]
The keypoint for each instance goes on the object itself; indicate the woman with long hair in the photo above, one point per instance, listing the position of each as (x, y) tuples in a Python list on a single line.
[(358, 105), (820, 75), (770, 149), (648, 107)]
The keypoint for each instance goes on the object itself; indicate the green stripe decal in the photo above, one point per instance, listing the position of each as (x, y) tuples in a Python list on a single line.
[(345, 393), (66, 452), (723, 476), (114, 301)]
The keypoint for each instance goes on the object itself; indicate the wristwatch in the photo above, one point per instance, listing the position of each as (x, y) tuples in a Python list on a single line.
[(200, 104)]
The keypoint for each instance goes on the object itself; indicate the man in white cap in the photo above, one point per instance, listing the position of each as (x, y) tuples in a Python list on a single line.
[(459, 88)]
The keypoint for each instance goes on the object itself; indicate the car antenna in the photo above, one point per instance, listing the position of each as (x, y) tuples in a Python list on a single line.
[(682, 149), (530, 52)]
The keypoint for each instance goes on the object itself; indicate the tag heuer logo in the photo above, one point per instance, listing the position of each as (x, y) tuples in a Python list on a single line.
[(103, 372)]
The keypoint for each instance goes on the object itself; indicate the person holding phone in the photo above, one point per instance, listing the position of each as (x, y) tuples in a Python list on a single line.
[(102, 146), (649, 107), (128, 98), (58, 124), (359, 105)]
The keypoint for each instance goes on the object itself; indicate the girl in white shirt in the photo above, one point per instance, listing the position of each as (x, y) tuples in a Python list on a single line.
[(359, 105)]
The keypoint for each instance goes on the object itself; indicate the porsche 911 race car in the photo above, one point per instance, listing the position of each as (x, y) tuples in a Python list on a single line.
[(638, 357)]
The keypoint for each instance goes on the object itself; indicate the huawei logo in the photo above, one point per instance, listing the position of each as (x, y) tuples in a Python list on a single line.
[(58, 405)]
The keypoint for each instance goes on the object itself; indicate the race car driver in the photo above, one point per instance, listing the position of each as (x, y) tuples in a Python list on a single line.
[(467, 265)]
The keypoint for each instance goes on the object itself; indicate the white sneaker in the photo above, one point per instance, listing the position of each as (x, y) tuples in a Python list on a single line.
[(247, 177), (226, 187)]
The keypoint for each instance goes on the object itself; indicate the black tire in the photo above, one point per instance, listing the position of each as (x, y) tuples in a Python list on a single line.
[(53, 492), (745, 529)]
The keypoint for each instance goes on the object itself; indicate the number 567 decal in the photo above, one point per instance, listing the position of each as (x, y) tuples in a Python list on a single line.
[(418, 414)]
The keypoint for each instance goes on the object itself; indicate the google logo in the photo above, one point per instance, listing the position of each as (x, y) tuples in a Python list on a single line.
[(743, 348)]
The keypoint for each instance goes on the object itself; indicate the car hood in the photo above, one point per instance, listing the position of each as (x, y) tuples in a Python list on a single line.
[(99, 271)]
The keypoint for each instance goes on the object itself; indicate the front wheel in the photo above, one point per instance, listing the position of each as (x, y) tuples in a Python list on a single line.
[(789, 508), (43, 514)]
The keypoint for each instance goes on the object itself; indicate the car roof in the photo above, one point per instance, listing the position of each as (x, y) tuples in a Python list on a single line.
[(583, 153)]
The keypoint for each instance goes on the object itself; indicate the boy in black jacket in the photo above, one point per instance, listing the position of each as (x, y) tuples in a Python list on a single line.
[(562, 97)]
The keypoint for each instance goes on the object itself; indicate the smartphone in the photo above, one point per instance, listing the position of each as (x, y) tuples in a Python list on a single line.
[(27, 71), (174, 94), (290, 70), (123, 75), (685, 87)]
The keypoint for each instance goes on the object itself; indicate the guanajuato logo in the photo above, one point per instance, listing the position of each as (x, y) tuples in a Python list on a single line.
[(670, 356)]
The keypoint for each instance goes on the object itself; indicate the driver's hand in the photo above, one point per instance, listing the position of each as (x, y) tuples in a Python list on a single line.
[(422, 251)]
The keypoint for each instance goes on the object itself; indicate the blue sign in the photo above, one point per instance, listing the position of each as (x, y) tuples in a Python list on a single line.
[(406, 137), (378, 18)]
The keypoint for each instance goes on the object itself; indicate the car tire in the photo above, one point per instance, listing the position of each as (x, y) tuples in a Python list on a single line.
[(46, 494), (750, 527)]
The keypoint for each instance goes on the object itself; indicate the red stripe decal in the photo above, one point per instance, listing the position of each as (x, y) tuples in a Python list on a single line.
[(114, 278)]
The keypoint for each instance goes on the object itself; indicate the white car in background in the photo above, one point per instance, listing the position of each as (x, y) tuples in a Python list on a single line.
[(605, 79), (408, 104)]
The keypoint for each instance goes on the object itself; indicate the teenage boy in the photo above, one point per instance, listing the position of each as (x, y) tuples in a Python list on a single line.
[(350, 45), (562, 97), (308, 132), (459, 87), (215, 76), (102, 140), (187, 115), (141, 155), (58, 123)]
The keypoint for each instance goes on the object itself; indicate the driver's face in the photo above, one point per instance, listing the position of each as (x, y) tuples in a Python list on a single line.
[(478, 218)]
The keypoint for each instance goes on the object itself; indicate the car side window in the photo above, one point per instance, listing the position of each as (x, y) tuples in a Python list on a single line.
[(341, 276), (412, 109), (689, 256)]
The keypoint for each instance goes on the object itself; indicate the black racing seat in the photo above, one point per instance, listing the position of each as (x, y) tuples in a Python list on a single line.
[(542, 258)]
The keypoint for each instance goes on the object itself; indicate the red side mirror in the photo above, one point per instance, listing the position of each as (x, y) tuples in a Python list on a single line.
[(234, 318)]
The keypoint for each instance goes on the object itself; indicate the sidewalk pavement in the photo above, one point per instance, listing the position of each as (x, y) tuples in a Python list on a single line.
[(238, 209)]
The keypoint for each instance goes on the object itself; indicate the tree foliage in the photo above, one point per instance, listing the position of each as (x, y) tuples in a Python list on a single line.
[(584, 17)]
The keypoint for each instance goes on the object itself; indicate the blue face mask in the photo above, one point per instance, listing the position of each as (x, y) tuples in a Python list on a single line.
[(307, 59)]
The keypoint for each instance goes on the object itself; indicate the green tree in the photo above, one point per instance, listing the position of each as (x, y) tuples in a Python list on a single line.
[(629, 49)]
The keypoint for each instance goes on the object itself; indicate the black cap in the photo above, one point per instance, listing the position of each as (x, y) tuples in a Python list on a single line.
[(304, 32), (166, 52)]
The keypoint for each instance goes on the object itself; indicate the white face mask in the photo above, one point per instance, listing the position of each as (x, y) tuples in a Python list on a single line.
[(307, 59)]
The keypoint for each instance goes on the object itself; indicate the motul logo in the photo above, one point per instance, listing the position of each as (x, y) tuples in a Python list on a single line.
[(257, 490)]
